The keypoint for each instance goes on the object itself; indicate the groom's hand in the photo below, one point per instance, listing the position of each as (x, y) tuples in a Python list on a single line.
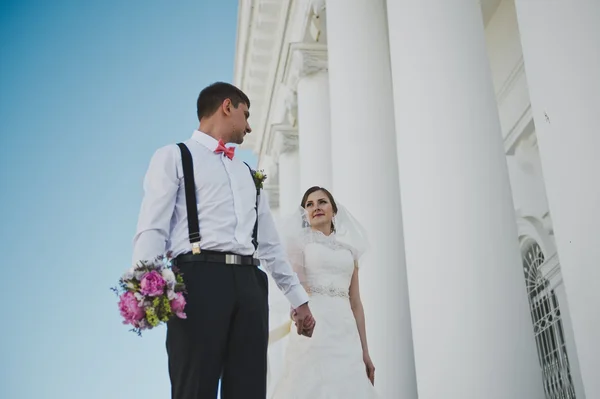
[(305, 322)]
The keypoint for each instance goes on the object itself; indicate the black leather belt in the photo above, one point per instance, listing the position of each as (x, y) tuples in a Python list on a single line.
[(218, 257)]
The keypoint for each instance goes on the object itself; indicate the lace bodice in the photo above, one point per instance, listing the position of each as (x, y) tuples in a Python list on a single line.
[(327, 266)]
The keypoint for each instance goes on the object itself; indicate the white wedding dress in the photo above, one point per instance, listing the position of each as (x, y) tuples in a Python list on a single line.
[(329, 365)]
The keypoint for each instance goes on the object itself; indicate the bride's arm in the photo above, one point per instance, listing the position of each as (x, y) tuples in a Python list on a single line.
[(358, 310), (359, 316)]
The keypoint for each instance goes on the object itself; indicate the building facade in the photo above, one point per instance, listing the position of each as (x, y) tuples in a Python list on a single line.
[(463, 135)]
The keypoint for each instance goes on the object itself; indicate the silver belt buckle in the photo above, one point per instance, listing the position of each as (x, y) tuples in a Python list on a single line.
[(232, 259)]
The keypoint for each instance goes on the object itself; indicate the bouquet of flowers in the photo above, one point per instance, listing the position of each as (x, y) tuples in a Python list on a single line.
[(150, 293)]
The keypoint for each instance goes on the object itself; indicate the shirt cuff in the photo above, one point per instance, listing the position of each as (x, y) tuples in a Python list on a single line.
[(297, 296)]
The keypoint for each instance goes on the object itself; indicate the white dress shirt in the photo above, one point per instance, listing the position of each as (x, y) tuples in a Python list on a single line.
[(226, 197)]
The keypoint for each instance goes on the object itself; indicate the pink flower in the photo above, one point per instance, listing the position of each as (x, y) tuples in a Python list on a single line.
[(152, 284), (178, 305), (130, 309)]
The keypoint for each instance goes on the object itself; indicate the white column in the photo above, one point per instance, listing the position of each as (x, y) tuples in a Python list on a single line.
[(472, 329), (561, 51), (307, 74), (365, 178), (315, 130), (285, 150)]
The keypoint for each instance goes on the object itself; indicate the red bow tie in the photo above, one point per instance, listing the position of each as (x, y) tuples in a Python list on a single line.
[(228, 151)]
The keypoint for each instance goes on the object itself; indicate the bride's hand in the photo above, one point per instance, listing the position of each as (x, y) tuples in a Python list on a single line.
[(369, 367), (307, 325)]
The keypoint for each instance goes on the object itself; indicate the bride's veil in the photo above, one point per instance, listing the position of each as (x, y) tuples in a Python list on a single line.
[(296, 232), (350, 232)]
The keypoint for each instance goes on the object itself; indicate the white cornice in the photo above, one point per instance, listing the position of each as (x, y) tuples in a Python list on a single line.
[(282, 138), (290, 102), (241, 40), (515, 116), (303, 59), (264, 32), (261, 25), (260, 64), (301, 14)]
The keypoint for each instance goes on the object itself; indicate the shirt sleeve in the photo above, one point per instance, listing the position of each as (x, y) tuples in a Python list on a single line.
[(273, 257), (160, 192)]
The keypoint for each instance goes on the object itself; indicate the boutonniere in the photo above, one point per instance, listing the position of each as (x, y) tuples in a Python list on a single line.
[(259, 178)]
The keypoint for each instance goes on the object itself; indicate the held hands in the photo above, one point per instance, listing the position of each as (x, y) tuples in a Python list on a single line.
[(305, 322), (369, 367)]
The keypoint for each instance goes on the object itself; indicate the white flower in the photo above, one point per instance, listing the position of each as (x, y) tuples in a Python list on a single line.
[(130, 285), (128, 275), (139, 297), (169, 276), (138, 274), (171, 294)]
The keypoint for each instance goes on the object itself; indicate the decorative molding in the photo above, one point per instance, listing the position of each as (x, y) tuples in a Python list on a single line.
[(514, 108), (532, 228), (316, 19), (283, 139), (522, 128), (291, 105), (318, 7), (547, 223), (550, 269), (303, 59), (245, 13), (265, 30), (261, 28), (310, 58), (511, 80)]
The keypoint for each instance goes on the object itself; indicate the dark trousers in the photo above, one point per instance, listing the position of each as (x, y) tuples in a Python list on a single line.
[(225, 334)]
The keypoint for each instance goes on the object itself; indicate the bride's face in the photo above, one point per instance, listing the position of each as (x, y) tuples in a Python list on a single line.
[(319, 209)]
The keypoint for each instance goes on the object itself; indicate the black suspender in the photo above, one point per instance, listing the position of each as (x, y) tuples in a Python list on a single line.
[(255, 230), (191, 202), (190, 198)]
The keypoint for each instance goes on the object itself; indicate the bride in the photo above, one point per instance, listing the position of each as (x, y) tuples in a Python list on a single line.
[(324, 243)]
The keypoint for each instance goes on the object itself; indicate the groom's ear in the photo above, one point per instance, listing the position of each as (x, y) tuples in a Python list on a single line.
[(226, 106)]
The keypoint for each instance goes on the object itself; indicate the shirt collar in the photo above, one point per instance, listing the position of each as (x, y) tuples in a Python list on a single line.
[(206, 140)]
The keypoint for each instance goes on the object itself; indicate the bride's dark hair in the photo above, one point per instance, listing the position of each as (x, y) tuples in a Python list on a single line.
[(314, 189)]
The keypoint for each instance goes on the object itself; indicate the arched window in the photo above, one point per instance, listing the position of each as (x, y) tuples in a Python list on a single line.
[(547, 325)]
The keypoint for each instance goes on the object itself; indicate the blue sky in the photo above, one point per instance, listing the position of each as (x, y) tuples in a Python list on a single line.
[(89, 89)]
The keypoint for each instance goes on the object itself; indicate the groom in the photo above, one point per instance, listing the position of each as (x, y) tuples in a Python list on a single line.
[(203, 204)]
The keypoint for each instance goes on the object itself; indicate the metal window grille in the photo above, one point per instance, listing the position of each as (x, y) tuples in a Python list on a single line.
[(547, 326)]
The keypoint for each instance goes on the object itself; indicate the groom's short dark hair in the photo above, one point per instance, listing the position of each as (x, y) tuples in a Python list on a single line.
[(211, 98)]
